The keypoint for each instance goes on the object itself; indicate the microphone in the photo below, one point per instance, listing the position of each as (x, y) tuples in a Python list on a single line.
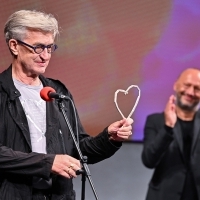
[(48, 94)]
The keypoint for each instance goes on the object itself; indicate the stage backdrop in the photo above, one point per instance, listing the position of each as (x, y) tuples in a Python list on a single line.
[(110, 45)]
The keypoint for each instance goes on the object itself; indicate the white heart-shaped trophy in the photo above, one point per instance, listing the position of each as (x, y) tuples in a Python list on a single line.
[(126, 92)]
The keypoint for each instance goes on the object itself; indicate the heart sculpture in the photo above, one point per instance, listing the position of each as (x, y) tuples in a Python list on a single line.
[(126, 92)]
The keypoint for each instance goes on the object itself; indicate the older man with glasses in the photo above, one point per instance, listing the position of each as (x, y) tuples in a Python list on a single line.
[(37, 155)]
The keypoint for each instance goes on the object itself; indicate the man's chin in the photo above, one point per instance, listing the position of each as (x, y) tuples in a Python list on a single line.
[(188, 106), (41, 70)]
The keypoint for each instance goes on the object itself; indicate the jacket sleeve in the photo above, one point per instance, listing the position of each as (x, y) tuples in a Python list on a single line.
[(99, 147), (33, 164), (157, 138)]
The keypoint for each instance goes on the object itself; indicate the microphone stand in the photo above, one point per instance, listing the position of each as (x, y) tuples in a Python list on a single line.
[(85, 171)]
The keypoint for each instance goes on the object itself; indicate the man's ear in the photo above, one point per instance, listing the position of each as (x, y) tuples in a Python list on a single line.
[(13, 46)]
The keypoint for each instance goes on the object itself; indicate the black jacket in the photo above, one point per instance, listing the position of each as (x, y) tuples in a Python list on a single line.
[(18, 164), (163, 151)]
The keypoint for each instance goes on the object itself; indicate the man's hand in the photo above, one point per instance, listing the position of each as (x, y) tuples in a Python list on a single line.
[(66, 166), (120, 130), (170, 112)]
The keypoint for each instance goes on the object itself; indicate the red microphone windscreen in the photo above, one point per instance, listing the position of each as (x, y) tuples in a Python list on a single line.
[(44, 93)]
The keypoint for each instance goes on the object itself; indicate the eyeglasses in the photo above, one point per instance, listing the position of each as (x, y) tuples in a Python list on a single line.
[(40, 48)]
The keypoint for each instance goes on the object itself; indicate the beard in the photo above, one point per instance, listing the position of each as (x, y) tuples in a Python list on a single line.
[(186, 107)]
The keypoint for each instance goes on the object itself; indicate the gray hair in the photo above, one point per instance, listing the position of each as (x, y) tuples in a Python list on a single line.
[(20, 21)]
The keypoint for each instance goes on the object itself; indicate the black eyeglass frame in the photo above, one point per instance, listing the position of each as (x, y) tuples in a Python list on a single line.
[(51, 47)]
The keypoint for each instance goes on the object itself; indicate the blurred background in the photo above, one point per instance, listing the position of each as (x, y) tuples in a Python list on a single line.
[(109, 45)]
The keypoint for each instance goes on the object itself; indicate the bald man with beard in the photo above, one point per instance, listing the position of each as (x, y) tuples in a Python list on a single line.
[(172, 143)]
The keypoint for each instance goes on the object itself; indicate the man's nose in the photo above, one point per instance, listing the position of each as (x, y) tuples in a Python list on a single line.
[(44, 54)]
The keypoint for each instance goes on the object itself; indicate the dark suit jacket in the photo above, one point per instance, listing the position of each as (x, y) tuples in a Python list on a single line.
[(163, 151), (18, 164)]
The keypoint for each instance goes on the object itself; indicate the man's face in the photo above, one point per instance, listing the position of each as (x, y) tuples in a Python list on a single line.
[(30, 62), (187, 90)]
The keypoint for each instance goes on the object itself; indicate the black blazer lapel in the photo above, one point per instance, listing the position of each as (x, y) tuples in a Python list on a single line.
[(18, 115), (178, 136), (196, 131), (52, 126)]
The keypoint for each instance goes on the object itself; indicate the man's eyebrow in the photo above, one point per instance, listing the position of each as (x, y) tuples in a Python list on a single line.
[(38, 44)]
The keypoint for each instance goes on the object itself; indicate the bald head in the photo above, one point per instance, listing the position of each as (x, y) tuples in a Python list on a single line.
[(189, 72), (187, 88)]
